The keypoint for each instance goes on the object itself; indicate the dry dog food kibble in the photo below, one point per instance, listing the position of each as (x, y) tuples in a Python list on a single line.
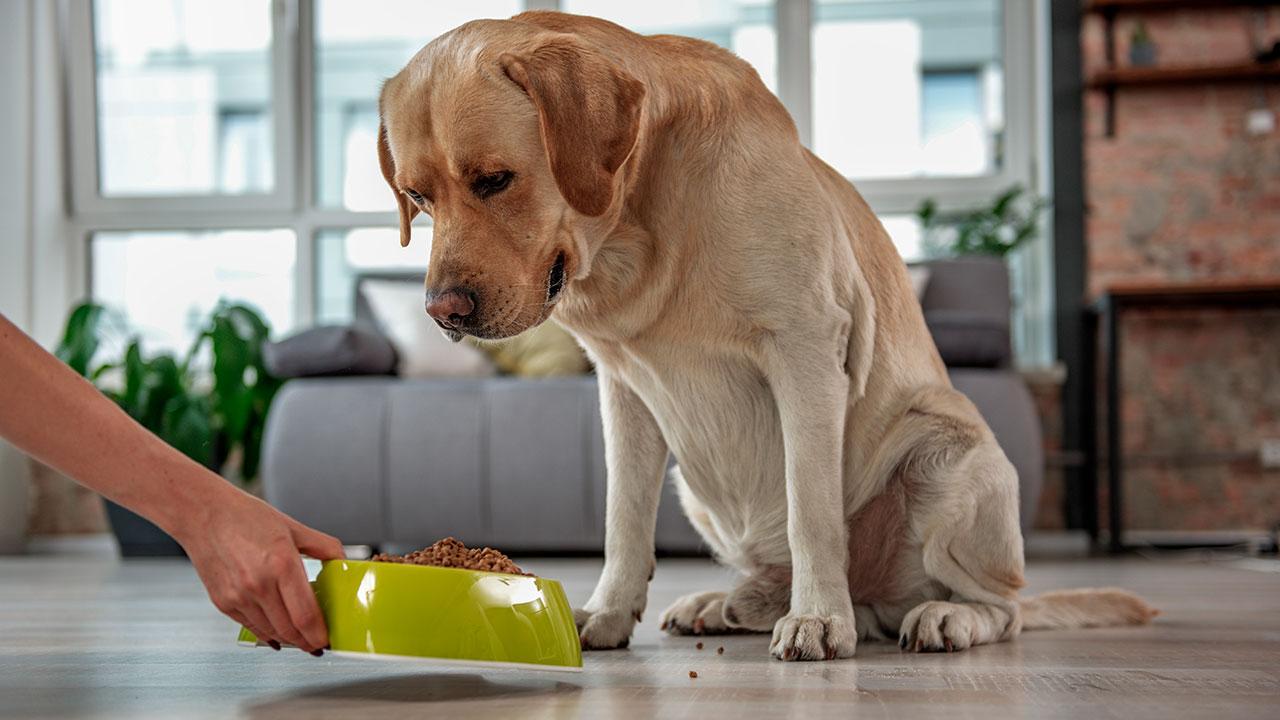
[(693, 673), (699, 646), (719, 651), (450, 552)]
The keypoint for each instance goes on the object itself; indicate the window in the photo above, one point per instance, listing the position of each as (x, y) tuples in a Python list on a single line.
[(908, 88), (342, 256), (166, 282), (744, 26), (183, 91), (358, 44), (225, 147)]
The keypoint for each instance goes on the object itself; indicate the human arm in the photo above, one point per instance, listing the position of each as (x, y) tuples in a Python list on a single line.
[(245, 551)]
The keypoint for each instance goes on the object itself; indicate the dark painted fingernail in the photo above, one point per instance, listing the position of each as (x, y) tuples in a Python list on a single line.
[(317, 653), (274, 645)]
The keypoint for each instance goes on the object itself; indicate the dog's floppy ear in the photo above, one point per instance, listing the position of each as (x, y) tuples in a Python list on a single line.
[(589, 112), (408, 210)]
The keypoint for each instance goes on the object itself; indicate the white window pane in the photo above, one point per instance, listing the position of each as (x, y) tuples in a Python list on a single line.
[(905, 232), (744, 26), (342, 256), (184, 96), (166, 283), (359, 44), (908, 88)]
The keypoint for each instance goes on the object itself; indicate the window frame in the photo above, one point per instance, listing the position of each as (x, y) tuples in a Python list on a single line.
[(903, 195), (293, 202), (86, 191)]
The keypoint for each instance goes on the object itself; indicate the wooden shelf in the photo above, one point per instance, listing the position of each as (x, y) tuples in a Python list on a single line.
[(1114, 77), (1117, 6), (1206, 287), (1184, 75)]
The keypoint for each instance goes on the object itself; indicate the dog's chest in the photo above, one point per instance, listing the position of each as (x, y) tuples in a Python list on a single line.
[(718, 417)]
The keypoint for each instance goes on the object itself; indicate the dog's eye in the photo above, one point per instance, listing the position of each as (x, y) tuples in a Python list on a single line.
[(414, 195), (492, 184)]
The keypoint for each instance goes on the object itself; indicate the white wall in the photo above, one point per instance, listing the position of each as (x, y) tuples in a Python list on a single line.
[(37, 279)]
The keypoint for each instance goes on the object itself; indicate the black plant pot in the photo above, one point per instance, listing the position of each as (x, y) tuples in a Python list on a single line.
[(1142, 54), (138, 536)]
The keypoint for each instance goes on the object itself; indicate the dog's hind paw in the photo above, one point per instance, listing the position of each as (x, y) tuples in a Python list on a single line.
[(814, 637), (604, 629), (939, 626), (696, 614)]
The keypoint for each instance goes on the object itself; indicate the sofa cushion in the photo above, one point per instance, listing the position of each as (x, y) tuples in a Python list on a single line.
[(330, 350), (424, 351), (969, 339), (547, 350)]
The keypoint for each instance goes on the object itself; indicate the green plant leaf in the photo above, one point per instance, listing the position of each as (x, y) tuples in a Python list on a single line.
[(1004, 202), (80, 337), (242, 388), (927, 213), (231, 356), (135, 369), (187, 428), (161, 381)]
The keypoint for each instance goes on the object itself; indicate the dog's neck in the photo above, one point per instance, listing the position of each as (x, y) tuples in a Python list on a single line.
[(678, 193)]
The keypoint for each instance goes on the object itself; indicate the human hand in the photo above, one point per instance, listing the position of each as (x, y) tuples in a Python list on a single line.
[(247, 554)]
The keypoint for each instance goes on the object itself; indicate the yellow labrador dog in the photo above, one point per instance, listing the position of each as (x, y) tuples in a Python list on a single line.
[(746, 312)]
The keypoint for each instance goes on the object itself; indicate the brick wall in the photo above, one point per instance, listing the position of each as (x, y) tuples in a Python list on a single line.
[(1183, 191)]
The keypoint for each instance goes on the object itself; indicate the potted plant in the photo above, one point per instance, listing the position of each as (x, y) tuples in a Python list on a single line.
[(213, 413), (1011, 220), (1142, 49)]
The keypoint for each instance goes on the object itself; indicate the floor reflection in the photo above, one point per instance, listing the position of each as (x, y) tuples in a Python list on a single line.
[(396, 696)]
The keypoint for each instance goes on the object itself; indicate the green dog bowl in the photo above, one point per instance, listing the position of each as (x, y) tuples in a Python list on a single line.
[(445, 615)]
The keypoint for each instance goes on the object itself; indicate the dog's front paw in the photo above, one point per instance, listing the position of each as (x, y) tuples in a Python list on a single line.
[(814, 637), (604, 629)]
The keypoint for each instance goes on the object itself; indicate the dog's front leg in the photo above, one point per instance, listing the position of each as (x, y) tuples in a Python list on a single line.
[(635, 460), (811, 390)]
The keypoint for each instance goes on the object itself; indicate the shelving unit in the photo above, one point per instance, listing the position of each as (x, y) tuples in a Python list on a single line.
[(1174, 75), (1099, 6), (1113, 77)]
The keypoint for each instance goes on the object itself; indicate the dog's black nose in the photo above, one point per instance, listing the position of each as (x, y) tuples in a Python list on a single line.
[(452, 307)]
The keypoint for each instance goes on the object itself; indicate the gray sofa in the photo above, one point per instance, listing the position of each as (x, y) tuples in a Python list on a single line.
[(519, 464)]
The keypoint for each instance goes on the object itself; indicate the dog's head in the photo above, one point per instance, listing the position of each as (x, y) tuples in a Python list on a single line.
[(507, 135)]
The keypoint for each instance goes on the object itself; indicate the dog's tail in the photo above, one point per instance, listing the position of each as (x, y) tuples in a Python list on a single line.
[(1086, 608)]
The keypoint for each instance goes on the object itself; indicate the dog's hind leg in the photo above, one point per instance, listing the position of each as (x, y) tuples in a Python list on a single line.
[(964, 514), (700, 613), (754, 605), (939, 626), (759, 601)]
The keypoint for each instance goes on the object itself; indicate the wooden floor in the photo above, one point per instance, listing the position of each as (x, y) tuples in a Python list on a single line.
[(94, 638)]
